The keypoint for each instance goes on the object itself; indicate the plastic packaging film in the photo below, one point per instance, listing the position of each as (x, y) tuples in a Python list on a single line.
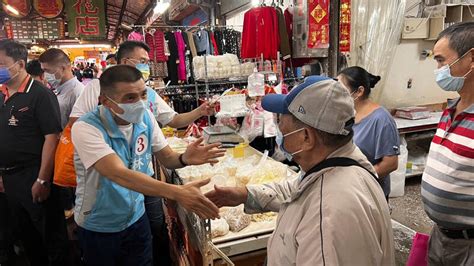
[(375, 34)]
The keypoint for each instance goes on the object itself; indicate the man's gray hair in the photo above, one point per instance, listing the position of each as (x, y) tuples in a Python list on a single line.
[(460, 37)]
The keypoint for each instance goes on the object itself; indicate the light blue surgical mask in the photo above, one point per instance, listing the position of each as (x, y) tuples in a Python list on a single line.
[(280, 142), (52, 80), (446, 81), (145, 69), (132, 112)]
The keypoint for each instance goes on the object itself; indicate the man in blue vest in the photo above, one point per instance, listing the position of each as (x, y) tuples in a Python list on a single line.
[(114, 147)]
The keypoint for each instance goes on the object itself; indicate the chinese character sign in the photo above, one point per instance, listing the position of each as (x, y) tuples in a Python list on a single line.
[(48, 8), (345, 23), (86, 18), (318, 33)]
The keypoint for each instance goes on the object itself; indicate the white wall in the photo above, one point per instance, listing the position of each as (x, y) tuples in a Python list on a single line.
[(408, 64)]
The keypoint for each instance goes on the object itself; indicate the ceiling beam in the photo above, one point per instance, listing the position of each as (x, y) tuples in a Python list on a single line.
[(146, 11), (122, 11)]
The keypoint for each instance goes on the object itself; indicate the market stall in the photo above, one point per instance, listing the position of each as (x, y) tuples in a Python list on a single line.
[(236, 233)]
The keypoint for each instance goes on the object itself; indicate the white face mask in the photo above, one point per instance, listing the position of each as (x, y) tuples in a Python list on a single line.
[(132, 112)]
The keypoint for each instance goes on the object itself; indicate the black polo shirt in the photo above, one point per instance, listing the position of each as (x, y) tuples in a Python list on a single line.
[(25, 118)]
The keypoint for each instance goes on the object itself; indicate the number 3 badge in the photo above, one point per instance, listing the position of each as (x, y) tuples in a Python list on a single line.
[(141, 145)]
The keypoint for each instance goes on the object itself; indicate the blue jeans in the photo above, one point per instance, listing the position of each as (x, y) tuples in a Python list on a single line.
[(159, 230), (130, 247)]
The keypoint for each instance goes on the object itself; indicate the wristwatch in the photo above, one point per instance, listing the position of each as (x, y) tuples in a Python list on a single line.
[(43, 182)]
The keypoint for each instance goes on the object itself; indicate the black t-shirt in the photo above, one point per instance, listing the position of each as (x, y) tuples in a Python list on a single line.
[(25, 118)]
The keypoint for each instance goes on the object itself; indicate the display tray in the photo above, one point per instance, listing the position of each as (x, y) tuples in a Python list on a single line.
[(254, 229)]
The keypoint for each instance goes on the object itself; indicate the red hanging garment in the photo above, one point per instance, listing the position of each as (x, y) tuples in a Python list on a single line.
[(260, 34)]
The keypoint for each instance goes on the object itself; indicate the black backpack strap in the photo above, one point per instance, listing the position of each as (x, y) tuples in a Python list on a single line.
[(337, 161)]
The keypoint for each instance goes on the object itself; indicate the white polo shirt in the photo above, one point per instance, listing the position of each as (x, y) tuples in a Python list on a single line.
[(89, 99)]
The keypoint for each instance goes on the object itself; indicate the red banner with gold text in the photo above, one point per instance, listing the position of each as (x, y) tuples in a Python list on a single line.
[(318, 34)]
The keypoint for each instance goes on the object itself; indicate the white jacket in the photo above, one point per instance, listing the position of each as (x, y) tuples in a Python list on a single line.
[(337, 216)]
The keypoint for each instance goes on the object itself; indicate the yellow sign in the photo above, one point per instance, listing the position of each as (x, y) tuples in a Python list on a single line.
[(318, 13)]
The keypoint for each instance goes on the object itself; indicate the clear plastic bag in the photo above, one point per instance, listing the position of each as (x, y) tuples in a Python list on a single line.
[(219, 227), (253, 125), (236, 218), (256, 84)]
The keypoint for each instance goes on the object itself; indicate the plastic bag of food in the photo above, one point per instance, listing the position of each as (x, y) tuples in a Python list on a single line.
[(236, 218), (219, 227)]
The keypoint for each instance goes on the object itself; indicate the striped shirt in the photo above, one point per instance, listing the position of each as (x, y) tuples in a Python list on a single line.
[(448, 181)]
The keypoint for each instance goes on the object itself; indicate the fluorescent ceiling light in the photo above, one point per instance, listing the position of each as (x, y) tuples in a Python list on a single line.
[(161, 7), (12, 9), (89, 45)]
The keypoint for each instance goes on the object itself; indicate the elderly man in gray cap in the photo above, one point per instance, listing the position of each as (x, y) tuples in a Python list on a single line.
[(334, 213)]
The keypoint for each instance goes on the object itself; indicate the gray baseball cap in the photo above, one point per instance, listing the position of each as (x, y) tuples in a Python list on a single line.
[(319, 102)]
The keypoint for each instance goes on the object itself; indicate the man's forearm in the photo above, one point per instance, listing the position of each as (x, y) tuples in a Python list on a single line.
[(47, 157), (170, 161), (183, 120), (142, 183)]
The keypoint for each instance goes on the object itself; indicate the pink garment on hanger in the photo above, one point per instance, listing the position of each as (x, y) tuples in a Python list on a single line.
[(136, 36), (181, 56)]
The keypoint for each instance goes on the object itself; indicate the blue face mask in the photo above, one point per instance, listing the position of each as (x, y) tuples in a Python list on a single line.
[(132, 112), (280, 142), (5, 74), (446, 81), (145, 69)]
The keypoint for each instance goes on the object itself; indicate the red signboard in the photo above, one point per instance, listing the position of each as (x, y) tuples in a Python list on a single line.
[(48, 8), (318, 33), (86, 18), (345, 30), (16, 8)]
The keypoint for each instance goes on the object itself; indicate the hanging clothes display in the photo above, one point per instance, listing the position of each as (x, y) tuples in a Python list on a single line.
[(136, 36), (214, 44), (181, 47), (211, 47), (189, 58), (260, 34), (228, 41), (285, 49), (191, 45), (158, 57), (172, 59), (201, 40)]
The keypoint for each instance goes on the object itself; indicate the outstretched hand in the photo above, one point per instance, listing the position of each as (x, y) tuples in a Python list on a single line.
[(197, 154), (227, 196), (207, 109), (191, 198)]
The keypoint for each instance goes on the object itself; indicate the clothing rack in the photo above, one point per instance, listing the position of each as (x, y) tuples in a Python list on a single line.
[(213, 84), (186, 27)]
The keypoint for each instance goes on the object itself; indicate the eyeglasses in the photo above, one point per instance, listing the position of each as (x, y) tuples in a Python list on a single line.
[(138, 61)]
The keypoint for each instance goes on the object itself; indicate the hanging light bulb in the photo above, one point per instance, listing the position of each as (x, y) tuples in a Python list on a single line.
[(161, 6)]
